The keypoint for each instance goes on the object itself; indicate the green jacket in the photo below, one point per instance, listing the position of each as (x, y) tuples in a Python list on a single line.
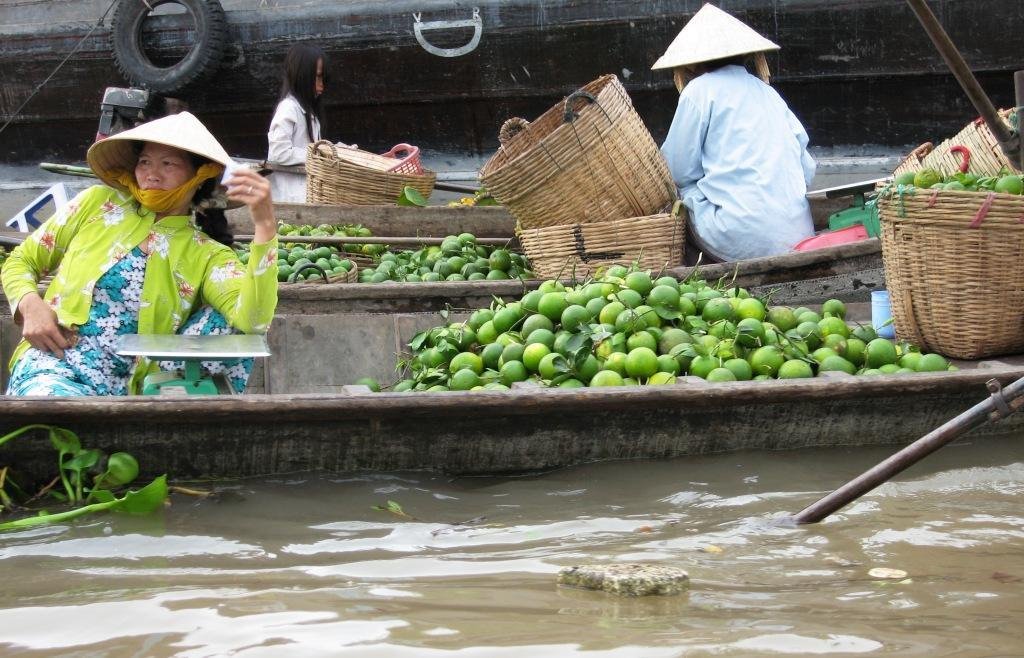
[(185, 269)]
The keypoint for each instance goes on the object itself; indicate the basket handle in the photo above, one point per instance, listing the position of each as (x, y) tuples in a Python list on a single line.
[(570, 114), (307, 266), (317, 144), (965, 154), (921, 151), (408, 149)]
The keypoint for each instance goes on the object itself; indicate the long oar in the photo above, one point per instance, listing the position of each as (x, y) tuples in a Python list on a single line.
[(86, 172), (1009, 142), (1001, 403)]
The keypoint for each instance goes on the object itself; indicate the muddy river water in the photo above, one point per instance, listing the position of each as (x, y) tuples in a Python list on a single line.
[(305, 566)]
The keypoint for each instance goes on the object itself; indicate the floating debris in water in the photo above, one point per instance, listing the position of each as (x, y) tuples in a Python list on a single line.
[(1005, 577), (626, 579), (889, 574), (840, 561)]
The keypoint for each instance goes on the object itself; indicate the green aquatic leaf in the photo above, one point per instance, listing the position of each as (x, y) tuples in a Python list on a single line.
[(410, 196), (144, 501)]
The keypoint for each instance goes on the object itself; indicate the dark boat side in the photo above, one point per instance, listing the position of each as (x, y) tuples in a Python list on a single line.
[(494, 432), (856, 72)]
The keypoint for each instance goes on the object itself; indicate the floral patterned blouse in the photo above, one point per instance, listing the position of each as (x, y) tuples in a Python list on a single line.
[(185, 269)]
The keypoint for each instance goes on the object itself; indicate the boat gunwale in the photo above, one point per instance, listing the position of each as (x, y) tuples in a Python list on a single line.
[(403, 290), (360, 403)]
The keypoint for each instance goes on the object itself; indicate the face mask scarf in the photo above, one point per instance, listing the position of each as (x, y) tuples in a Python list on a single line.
[(167, 200)]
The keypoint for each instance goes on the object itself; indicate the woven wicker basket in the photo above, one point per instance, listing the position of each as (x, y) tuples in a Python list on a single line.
[(588, 159), (986, 159), (334, 180), (954, 267), (652, 241)]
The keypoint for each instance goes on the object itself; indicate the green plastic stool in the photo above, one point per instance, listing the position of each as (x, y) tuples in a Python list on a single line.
[(192, 350), (861, 210)]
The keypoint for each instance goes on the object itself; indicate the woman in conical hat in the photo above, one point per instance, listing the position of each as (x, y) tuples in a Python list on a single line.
[(736, 152), (147, 252)]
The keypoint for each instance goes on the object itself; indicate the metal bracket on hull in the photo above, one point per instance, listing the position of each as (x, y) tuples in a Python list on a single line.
[(419, 27)]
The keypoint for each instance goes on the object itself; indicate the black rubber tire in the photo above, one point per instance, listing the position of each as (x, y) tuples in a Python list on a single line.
[(201, 61)]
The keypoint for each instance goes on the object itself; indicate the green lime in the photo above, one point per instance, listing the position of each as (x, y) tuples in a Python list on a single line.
[(721, 375)]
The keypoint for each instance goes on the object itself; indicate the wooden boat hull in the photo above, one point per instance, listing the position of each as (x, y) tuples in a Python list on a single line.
[(500, 432), (855, 72)]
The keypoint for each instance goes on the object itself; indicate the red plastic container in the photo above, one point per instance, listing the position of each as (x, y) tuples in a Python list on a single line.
[(854, 233)]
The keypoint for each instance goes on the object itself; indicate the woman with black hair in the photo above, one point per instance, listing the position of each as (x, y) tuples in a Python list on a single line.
[(297, 119), (147, 252)]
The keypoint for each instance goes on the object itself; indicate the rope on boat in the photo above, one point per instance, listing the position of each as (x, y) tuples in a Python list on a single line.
[(42, 84)]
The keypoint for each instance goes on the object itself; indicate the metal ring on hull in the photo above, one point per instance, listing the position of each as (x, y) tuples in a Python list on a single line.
[(419, 27)]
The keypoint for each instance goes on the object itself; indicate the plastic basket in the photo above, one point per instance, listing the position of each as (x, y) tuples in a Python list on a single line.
[(854, 233), (954, 267), (652, 241)]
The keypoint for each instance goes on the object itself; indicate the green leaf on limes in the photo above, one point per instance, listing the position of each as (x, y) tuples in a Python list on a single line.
[(410, 196)]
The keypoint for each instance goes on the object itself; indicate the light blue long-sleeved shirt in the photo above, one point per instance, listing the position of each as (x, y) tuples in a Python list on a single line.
[(739, 157)]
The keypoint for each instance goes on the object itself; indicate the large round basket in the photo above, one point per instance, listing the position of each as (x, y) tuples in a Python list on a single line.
[(585, 160), (339, 177), (954, 267), (653, 242)]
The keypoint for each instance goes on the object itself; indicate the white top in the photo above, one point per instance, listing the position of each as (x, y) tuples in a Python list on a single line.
[(288, 141), (739, 157)]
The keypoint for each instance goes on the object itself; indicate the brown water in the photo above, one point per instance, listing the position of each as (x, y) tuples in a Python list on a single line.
[(304, 566)]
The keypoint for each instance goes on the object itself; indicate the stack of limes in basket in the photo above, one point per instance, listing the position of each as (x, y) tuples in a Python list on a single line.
[(1005, 182), (330, 259)]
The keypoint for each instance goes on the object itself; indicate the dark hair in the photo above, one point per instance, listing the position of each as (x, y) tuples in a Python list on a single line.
[(687, 72), (299, 80), (715, 64), (161, 106), (210, 221)]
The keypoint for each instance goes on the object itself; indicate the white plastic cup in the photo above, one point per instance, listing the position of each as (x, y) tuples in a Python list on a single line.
[(229, 171), (881, 313)]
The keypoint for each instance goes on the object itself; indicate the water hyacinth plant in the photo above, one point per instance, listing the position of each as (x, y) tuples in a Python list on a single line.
[(79, 488)]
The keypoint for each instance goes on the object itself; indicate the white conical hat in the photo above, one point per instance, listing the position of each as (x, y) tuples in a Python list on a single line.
[(712, 34), (183, 131)]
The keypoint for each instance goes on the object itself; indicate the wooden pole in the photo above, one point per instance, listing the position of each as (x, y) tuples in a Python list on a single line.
[(999, 404), (1009, 142)]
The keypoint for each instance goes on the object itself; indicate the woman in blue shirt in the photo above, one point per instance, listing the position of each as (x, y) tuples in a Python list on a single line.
[(736, 152)]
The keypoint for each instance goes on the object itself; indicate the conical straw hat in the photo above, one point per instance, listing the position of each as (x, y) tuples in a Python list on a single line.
[(183, 131), (712, 34)]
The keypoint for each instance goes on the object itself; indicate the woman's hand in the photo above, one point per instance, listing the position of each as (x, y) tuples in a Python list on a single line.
[(40, 328), (248, 187)]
